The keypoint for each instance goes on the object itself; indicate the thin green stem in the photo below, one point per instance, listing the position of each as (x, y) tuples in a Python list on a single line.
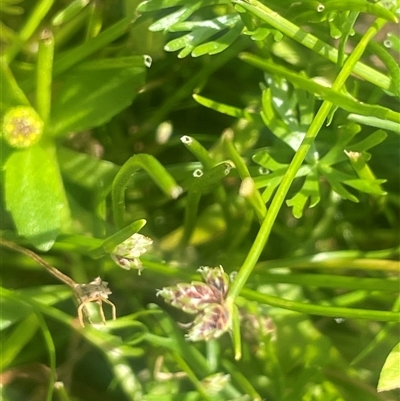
[(288, 178), (34, 20), (79, 53), (333, 281), (51, 350), (191, 375), (253, 196), (348, 26), (199, 151), (154, 169), (334, 263), (44, 71), (320, 310)]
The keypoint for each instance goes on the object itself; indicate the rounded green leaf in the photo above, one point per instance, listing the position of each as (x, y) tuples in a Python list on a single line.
[(34, 195), (390, 374)]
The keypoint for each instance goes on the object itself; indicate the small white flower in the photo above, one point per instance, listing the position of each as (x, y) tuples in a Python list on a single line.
[(127, 253)]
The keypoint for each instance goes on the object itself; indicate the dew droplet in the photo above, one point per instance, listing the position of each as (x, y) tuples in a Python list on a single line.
[(263, 170), (320, 8)]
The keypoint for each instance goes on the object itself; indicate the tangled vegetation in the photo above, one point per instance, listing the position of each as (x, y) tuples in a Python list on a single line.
[(200, 200)]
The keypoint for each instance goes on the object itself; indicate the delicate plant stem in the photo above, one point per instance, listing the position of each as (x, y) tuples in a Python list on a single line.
[(332, 262), (196, 382), (321, 310), (254, 198), (52, 270), (156, 172), (44, 73), (36, 17), (52, 352), (72, 57), (288, 178)]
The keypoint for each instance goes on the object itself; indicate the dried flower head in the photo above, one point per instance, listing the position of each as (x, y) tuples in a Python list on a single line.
[(211, 323), (96, 288), (206, 300), (96, 291), (22, 127), (127, 253)]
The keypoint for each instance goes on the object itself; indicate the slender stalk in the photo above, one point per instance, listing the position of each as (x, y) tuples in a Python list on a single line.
[(52, 270), (44, 73), (322, 310), (34, 20)]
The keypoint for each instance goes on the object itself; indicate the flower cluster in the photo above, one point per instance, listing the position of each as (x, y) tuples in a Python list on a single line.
[(126, 254), (22, 127), (206, 300)]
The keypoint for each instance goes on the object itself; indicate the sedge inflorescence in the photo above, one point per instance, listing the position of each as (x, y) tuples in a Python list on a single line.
[(205, 300), (127, 254)]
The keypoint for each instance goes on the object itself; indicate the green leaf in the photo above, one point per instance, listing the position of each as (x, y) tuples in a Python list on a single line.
[(154, 169), (228, 26), (306, 39), (336, 178), (17, 339), (11, 312), (94, 92), (360, 6), (226, 108), (375, 122), (271, 180), (371, 141), (201, 183), (180, 15), (309, 190), (85, 170), (69, 12), (393, 42), (200, 31), (371, 186), (344, 101), (35, 196), (390, 374), (220, 44)]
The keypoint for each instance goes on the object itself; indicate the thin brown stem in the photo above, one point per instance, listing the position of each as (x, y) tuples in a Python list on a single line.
[(51, 269)]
